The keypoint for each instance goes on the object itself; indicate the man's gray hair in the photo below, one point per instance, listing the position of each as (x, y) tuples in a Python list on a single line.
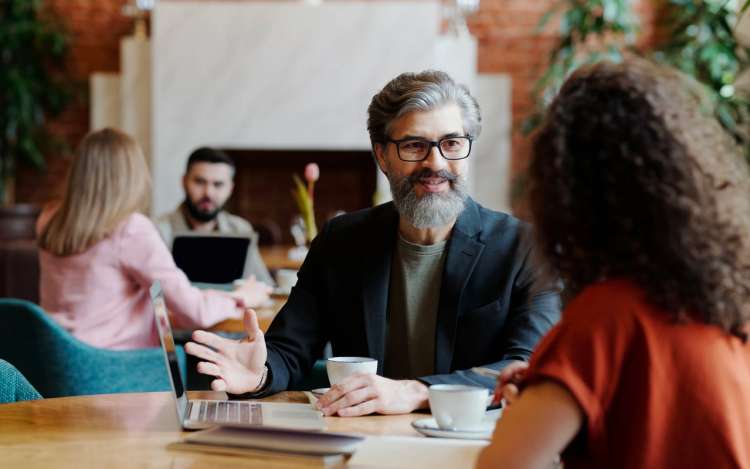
[(423, 91)]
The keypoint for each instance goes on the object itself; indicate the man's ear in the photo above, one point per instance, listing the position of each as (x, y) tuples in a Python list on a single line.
[(184, 182), (379, 151)]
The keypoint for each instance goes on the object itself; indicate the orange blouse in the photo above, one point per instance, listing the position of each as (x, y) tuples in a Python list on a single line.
[(655, 393)]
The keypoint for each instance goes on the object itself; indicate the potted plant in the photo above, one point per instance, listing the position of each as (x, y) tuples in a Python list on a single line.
[(33, 87)]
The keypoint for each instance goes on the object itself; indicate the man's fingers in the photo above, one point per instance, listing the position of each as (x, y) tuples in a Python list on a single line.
[(365, 408), (212, 340), (219, 385), (339, 390), (201, 351), (208, 368), (351, 399), (251, 324)]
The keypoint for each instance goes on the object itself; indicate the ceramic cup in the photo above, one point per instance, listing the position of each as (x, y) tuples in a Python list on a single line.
[(457, 406), (286, 279), (340, 368)]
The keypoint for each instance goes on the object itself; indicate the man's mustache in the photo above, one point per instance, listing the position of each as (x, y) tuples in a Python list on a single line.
[(428, 173)]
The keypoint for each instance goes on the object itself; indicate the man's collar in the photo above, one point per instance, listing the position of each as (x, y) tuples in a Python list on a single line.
[(470, 221)]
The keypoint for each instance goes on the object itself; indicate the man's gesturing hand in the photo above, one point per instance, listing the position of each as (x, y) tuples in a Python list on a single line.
[(236, 364), (365, 394)]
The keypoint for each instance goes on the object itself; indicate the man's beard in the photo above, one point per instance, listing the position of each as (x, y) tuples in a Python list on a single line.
[(198, 214), (432, 209)]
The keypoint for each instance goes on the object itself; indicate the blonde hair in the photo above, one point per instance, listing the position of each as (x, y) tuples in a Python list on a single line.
[(109, 181)]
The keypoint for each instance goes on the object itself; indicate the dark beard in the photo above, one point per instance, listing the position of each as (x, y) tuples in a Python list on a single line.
[(196, 214)]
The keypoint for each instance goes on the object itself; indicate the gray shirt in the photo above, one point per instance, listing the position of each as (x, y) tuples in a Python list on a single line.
[(175, 222), (414, 295)]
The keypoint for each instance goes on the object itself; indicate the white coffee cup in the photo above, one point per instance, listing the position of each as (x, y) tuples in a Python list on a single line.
[(286, 279), (340, 368), (458, 406)]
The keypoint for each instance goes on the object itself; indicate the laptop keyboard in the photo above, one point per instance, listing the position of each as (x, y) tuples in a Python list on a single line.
[(228, 412)]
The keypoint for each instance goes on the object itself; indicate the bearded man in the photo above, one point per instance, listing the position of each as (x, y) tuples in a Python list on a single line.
[(431, 284), (208, 183)]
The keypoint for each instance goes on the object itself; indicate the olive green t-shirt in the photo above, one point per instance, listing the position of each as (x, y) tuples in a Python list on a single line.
[(416, 275)]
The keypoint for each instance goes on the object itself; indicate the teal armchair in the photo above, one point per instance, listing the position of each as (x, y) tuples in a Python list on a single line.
[(13, 386), (57, 364)]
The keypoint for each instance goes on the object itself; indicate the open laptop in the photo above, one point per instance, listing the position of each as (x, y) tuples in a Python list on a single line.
[(212, 259), (196, 414)]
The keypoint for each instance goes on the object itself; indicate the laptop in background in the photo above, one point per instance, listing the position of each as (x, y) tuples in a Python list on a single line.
[(197, 414), (214, 259)]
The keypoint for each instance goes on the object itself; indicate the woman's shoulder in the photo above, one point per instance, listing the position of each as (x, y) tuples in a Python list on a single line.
[(136, 224), (608, 300)]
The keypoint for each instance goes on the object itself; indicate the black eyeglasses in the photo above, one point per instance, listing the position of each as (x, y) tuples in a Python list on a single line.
[(417, 149)]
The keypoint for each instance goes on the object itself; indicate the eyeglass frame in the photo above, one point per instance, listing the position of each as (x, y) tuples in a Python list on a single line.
[(432, 143)]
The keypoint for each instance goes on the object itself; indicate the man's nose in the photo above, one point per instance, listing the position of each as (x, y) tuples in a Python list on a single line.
[(434, 160)]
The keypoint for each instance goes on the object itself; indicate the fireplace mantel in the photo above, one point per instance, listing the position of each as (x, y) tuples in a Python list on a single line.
[(282, 75)]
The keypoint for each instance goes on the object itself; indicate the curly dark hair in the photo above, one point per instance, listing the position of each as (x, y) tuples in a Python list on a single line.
[(632, 177)]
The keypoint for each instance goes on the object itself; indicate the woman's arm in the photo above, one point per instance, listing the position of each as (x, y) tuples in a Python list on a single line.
[(534, 430)]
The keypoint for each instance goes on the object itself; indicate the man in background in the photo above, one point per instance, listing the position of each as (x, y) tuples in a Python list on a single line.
[(208, 184)]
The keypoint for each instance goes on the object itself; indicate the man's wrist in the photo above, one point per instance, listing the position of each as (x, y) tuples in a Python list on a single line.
[(420, 392), (262, 381)]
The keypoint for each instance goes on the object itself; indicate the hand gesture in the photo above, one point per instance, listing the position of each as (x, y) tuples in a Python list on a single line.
[(251, 293), (236, 364)]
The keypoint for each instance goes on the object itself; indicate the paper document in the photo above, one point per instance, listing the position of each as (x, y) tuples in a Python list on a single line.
[(432, 453)]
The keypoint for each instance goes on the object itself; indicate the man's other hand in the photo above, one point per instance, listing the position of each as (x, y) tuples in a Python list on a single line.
[(365, 394)]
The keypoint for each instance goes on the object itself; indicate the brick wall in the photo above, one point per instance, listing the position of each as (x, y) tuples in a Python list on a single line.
[(508, 44), (96, 27)]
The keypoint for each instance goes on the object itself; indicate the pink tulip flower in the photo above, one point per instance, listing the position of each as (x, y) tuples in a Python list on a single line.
[(312, 172)]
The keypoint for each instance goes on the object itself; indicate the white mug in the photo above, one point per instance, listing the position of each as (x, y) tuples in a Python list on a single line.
[(458, 406), (286, 279), (340, 368)]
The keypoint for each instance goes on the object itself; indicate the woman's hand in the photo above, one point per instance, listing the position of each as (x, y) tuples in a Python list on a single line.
[(507, 383), (251, 293)]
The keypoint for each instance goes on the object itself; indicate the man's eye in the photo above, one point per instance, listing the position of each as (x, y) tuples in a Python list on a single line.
[(413, 145), (452, 143)]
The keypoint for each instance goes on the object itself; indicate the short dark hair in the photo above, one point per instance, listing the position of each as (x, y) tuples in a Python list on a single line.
[(209, 155), (633, 177)]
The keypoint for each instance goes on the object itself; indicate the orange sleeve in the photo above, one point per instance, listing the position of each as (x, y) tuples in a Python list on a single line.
[(585, 352)]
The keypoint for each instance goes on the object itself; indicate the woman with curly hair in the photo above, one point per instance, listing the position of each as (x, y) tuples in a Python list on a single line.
[(641, 205)]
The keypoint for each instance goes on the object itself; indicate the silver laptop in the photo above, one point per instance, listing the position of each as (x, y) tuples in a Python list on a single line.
[(196, 414)]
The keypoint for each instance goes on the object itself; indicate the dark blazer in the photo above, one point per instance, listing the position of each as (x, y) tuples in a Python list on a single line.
[(487, 315)]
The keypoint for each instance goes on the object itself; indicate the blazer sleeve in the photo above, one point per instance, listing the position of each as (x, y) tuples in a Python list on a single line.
[(144, 256), (297, 334)]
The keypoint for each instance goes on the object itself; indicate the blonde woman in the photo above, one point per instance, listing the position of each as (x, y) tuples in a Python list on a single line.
[(99, 255)]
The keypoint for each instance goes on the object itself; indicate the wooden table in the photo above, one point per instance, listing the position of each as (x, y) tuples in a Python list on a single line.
[(133, 430), (277, 257)]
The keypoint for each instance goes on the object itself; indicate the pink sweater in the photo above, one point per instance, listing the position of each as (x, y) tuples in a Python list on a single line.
[(101, 296)]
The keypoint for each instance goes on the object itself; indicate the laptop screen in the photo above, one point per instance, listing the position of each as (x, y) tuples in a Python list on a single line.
[(211, 259), (168, 346)]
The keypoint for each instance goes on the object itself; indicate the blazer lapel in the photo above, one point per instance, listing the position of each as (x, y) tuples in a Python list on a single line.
[(376, 277), (464, 250)]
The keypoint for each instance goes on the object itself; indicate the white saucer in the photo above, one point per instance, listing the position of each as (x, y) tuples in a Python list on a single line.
[(319, 392), (429, 427)]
